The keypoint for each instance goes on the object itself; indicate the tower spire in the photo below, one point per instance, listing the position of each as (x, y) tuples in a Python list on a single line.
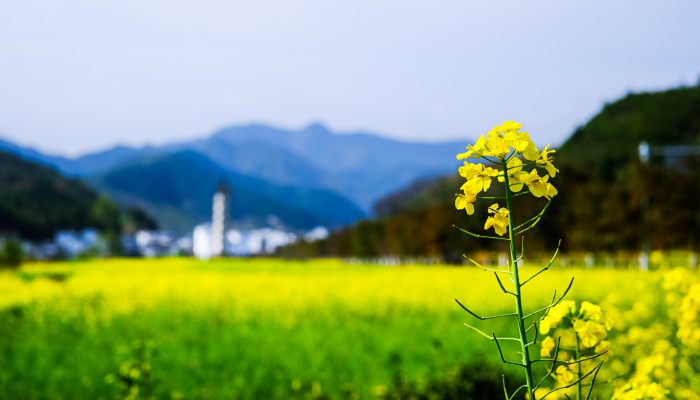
[(220, 205)]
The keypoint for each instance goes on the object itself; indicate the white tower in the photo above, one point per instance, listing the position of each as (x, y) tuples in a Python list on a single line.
[(218, 220)]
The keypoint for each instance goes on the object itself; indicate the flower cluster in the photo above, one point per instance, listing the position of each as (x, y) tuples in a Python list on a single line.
[(582, 333), (498, 219), (505, 147), (641, 389), (689, 321), (650, 361), (588, 322), (650, 371)]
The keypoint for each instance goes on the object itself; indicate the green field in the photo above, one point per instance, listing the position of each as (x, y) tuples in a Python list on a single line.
[(259, 329)]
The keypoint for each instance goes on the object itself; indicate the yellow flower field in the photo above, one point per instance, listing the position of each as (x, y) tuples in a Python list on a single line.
[(266, 328)]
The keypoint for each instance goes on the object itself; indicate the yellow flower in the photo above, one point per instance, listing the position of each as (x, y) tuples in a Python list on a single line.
[(469, 170), (589, 332), (521, 143), (514, 166), (547, 346), (565, 375), (500, 141), (496, 146), (603, 346), (640, 388), (531, 153), (478, 177), (556, 314), (465, 202), (689, 319), (499, 220), (518, 140), (563, 309), (474, 151), (510, 126), (538, 185), (546, 325), (545, 161), (591, 311)]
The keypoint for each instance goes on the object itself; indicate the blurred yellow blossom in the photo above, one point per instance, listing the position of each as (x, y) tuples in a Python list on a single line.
[(689, 320), (565, 375), (547, 346), (590, 332)]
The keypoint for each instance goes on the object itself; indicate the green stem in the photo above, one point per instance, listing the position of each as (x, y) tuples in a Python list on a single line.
[(579, 385), (527, 363)]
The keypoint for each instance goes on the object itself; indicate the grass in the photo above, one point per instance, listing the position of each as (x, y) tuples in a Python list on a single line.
[(253, 328)]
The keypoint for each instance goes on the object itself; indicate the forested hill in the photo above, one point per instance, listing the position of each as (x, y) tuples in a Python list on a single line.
[(36, 201), (602, 185), (610, 140), (601, 149)]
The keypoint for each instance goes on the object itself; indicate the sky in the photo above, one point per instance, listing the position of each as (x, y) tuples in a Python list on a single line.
[(77, 76)]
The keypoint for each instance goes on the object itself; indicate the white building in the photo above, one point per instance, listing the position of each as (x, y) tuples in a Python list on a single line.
[(201, 242)]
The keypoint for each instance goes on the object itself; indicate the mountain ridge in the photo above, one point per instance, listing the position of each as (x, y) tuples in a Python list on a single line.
[(360, 165), (177, 189)]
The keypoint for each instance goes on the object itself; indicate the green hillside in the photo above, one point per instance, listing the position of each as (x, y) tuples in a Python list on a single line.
[(610, 140), (36, 201), (602, 186)]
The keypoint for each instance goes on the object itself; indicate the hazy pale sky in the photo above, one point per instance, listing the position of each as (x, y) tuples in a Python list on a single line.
[(81, 75)]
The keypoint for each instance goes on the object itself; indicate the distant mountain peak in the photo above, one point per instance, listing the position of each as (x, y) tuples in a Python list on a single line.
[(317, 128)]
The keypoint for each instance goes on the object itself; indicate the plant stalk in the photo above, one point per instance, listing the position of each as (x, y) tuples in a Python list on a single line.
[(579, 385), (527, 363)]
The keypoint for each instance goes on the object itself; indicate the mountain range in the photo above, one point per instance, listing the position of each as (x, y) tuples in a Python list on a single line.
[(302, 178)]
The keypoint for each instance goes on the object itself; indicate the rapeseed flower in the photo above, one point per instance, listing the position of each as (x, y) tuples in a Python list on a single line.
[(641, 389), (565, 375), (478, 177), (689, 321), (589, 322), (538, 185), (498, 220), (510, 150), (582, 332), (475, 151), (508, 146), (547, 346), (602, 346), (556, 314), (497, 146), (590, 333), (465, 202), (545, 161), (522, 144), (591, 311), (500, 141)]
